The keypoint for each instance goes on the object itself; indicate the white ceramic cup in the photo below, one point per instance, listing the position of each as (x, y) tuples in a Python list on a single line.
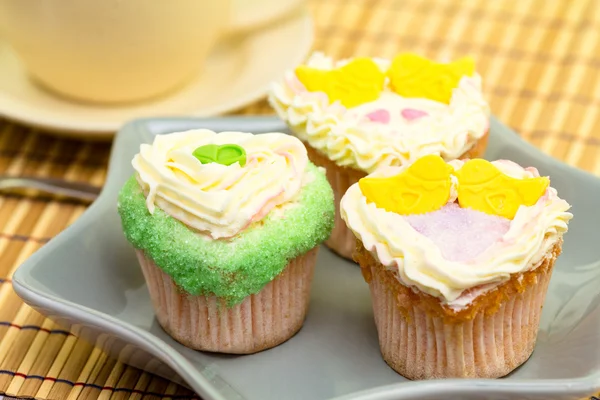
[(116, 51)]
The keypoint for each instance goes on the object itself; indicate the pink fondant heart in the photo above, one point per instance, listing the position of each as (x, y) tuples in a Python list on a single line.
[(411, 114), (380, 115)]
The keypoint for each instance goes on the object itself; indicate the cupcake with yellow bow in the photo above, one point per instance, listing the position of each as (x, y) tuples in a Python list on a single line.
[(226, 227), (458, 257), (356, 116)]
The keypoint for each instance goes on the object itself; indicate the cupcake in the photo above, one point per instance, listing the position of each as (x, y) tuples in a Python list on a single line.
[(358, 115), (226, 228), (458, 257)]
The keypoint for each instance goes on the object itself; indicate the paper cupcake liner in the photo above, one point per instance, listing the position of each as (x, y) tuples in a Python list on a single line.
[(478, 149), (261, 321), (342, 240), (420, 344)]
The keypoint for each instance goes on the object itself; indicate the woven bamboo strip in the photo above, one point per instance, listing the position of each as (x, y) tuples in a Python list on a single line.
[(383, 18), (402, 38), (62, 390), (20, 339), (86, 373), (30, 357), (157, 385), (554, 117), (77, 355), (171, 389), (14, 212), (515, 73), (142, 386), (51, 217), (49, 221), (7, 348), (100, 369), (551, 118), (41, 365), (9, 214), (488, 31), (56, 366), (454, 30), (112, 380), (325, 10), (98, 378), (343, 48), (46, 222), (70, 370), (127, 380), (582, 153), (16, 165), (6, 130), (8, 300)]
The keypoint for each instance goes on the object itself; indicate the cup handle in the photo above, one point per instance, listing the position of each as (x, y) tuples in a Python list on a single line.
[(247, 15)]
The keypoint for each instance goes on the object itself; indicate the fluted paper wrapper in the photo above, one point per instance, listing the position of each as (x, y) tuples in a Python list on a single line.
[(342, 240), (420, 344), (261, 321)]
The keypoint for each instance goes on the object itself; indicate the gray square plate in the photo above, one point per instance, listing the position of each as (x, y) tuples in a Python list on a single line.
[(87, 278)]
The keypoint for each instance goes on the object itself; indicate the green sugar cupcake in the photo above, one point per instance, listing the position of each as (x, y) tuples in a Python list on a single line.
[(226, 228)]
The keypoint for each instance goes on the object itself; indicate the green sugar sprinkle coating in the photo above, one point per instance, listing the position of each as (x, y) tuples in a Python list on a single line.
[(234, 268)]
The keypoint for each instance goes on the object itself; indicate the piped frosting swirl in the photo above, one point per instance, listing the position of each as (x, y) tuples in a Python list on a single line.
[(216, 199)]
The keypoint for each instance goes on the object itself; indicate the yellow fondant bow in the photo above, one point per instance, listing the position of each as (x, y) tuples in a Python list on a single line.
[(361, 81), (414, 76), (422, 187), (481, 186), (425, 186), (355, 83)]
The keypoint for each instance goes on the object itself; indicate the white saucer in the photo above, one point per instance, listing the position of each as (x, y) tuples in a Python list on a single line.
[(237, 73)]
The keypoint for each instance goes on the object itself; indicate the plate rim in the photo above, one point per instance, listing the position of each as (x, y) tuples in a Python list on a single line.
[(37, 298), (106, 131)]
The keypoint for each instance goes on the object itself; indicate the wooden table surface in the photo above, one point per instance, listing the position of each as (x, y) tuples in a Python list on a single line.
[(540, 62)]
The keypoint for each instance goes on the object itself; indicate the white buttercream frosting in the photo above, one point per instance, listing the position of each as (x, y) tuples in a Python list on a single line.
[(216, 199), (419, 263), (350, 138)]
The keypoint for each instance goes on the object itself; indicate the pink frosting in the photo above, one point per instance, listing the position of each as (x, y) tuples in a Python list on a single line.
[(379, 115), (412, 114), (461, 234)]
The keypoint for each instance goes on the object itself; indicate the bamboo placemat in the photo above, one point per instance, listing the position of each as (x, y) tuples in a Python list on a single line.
[(540, 67)]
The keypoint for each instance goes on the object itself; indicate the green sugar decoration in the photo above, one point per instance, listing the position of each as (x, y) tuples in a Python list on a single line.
[(225, 154), (229, 268)]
